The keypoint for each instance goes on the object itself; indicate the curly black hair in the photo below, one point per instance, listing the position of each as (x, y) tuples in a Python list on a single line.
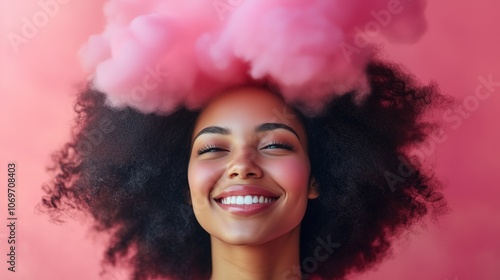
[(129, 171)]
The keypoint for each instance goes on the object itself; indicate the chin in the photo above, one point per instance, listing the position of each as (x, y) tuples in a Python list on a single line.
[(252, 238), (242, 239)]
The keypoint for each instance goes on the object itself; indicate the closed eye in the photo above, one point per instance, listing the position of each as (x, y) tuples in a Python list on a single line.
[(279, 145), (272, 146), (209, 149)]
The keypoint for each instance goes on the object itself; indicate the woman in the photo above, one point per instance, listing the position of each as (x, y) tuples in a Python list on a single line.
[(249, 177), (248, 187)]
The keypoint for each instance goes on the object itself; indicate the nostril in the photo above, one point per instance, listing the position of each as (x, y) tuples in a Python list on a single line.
[(244, 170), (244, 175)]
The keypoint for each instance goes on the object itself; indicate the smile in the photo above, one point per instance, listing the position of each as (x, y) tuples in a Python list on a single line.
[(246, 200)]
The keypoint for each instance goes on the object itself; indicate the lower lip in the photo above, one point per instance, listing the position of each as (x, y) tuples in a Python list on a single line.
[(246, 209)]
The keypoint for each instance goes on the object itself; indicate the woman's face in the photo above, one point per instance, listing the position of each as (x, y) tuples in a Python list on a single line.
[(249, 170)]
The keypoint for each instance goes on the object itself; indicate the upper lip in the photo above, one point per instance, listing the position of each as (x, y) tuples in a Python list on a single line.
[(243, 190)]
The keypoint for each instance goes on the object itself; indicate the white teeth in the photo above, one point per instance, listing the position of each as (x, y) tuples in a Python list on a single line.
[(240, 200), (246, 200)]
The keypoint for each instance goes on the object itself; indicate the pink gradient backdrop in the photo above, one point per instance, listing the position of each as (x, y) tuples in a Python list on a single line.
[(37, 87)]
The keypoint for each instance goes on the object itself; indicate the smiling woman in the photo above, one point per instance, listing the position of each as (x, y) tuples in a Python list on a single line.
[(249, 178), (238, 191)]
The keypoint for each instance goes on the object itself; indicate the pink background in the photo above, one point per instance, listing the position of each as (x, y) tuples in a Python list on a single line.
[(39, 81)]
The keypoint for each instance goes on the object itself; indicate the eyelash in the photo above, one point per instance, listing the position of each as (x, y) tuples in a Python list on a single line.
[(280, 145), (208, 148)]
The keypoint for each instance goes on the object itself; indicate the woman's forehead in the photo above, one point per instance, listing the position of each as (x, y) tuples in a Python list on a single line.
[(247, 106)]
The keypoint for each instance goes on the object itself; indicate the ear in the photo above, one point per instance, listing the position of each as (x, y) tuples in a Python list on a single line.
[(313, 191)]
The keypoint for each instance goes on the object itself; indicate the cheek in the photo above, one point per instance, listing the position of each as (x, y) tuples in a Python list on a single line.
[(202, 177), (291, 174)]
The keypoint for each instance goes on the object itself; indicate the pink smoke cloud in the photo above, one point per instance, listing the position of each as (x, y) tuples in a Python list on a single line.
[(159, 55)]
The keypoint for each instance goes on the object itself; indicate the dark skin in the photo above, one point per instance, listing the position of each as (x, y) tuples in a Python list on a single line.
[(238, 142)]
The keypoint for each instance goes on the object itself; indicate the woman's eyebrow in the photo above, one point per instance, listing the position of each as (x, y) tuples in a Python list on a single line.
[(272, 126), (213, 130), (261, 128)]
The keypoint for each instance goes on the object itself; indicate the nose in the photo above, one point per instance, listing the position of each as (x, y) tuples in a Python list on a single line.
[(243, 166)]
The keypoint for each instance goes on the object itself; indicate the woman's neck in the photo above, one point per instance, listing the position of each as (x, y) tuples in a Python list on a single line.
[(269, 261)]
